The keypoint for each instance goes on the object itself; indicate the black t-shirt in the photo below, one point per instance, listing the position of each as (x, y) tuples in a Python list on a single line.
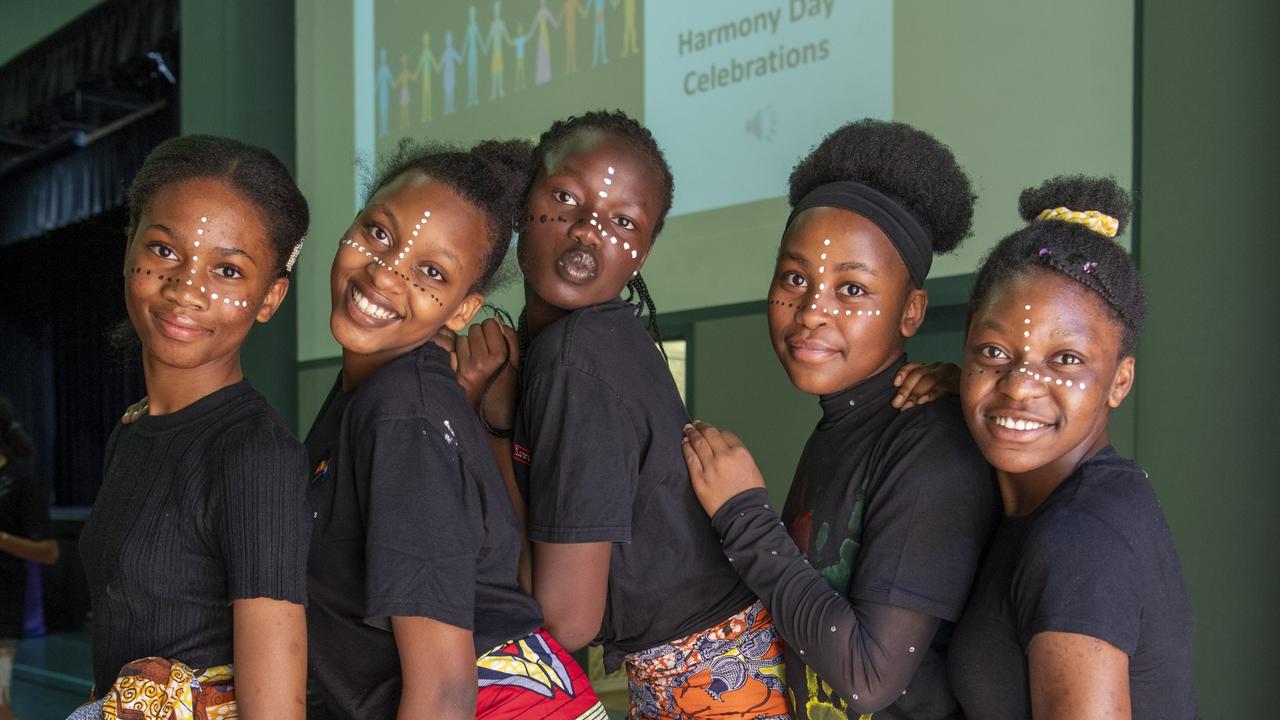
[(198, 508), (1097, 559), (412, 519), (930, 504), (24, 513), (597, 451)]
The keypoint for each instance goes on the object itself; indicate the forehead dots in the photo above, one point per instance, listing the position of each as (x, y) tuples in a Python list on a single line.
[(381, 264), (1026, 369)]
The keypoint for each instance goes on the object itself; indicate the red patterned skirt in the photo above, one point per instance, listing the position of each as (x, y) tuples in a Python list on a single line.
[(534, 678)]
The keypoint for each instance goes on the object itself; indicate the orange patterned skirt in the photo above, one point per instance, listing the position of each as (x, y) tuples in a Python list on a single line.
[(732, 670)]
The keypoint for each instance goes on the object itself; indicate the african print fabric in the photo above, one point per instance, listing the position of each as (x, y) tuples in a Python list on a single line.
[(732, 670), (534, 678), (157, 689)]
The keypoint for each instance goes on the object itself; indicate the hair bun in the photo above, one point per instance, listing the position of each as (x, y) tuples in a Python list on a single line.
[(505, 156), (1081, 193)]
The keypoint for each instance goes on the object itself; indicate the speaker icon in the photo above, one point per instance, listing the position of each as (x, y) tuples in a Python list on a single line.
[(762, 124)]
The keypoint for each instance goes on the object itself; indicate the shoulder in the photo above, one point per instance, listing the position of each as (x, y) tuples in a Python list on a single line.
[(1105, 506), (418, 384), (257, 430), (934, 435), (592, 339)]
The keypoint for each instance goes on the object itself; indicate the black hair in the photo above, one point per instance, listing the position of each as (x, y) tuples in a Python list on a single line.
[(1088, 257), (619, 125), (13, 439), (254, 172), (907, 164), (490, 176)]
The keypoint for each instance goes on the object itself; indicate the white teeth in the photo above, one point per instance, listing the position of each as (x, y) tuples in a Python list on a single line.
[(371, 309), (1017, 424)]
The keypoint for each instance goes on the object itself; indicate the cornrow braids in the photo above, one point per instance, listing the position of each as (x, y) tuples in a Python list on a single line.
[(617, 124), (1073, 250)]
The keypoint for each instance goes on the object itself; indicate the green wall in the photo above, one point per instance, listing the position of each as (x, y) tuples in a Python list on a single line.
[(1208, 248), (27, 22), (238, 81)]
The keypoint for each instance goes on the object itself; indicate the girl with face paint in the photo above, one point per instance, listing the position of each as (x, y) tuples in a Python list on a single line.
[(622, 555), (889, 510), (195, 549), (415, 610), (1080, 610)]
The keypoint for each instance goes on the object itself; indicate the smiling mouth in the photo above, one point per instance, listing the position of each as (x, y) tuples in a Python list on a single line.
[(373, 310), (578, 266), (1018, 423)]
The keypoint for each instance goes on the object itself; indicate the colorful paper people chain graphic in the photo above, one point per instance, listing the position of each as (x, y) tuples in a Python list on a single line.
[(494, 42)]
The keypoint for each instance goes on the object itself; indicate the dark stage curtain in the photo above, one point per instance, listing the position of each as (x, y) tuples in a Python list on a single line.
[(87, 48), (61, 295), (80, 185)]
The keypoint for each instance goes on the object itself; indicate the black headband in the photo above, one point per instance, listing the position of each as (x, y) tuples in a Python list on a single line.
[(902, 228)]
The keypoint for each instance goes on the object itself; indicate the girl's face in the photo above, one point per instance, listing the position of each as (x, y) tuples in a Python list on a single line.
[(406, 267), (590, 220), (841, 303), (1042, 369), (199, 270)]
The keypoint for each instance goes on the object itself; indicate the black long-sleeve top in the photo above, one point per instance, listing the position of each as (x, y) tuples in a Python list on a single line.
[(866, 611)]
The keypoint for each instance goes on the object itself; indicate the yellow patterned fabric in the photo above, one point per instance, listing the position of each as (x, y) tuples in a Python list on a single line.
[(1100, 223), (159, 689)]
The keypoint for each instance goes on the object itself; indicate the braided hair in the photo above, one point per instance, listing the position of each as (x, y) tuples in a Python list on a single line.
[(1072, 249)]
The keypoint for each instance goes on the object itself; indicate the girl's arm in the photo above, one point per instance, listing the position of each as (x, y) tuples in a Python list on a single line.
[(44, 552), (1074, 677), (270, 641), (437, 667), (570, 581), (866, 651)]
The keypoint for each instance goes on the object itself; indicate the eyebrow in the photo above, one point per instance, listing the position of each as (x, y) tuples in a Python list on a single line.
[(391, 218), (233, 252), (220, 251)]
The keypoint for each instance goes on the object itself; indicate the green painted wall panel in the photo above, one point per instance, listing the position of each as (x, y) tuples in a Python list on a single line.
[(1208, 177), (237, 81)]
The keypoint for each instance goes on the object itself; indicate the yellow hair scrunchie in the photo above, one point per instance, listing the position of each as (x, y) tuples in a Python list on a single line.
[(1100, 223)]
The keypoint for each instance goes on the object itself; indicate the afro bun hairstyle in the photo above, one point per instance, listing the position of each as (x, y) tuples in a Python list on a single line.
[(909, 165), (1090, 258), (490, 175)]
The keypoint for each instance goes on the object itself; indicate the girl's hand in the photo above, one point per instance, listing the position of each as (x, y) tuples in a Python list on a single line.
[(488, 349), (919, 383), (720, 466), (135, 411)]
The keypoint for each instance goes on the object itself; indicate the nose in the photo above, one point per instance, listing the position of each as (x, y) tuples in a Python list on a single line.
[(183, 289), (1023, 382), (812, 313), (587, 230)]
